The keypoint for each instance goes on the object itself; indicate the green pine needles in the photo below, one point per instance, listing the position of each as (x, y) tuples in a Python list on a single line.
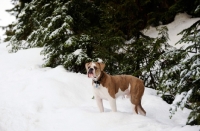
[(181, 74)]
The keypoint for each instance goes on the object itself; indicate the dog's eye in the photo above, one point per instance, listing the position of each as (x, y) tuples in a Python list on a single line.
[(95, 67), (88, 67)]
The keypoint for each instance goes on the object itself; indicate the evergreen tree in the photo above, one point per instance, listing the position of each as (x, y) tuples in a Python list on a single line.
[(95, 29), (181, 77), (51, 24), (190, 74), (151, 68), (18, 6)]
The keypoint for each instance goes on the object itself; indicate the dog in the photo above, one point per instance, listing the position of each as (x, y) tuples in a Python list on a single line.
[(110, 87)]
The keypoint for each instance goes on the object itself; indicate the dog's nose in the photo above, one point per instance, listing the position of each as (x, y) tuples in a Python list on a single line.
[(90, 70)]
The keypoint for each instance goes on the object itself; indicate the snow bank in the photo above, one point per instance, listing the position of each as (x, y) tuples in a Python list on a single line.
[(181, 21), (33, 98)]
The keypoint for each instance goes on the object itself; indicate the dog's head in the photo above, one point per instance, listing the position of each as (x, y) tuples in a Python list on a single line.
[(94, 69)]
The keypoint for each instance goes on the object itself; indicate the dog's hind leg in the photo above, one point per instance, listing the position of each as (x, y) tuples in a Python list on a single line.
[(138, 107), (135, 111), (137, 90), (113, 104), (141, 110)]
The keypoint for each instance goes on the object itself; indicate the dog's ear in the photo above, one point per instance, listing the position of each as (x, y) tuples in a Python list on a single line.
[(102, 65), (86, 65)]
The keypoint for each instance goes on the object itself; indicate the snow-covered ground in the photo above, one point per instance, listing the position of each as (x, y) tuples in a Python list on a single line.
[(33, 98)]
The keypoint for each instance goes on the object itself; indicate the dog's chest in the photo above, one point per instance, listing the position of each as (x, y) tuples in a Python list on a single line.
[(103, 93)]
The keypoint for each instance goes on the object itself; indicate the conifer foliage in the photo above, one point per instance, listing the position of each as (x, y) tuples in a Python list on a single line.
[(189, 83), (180, 79), (75, 31), (48, 24)]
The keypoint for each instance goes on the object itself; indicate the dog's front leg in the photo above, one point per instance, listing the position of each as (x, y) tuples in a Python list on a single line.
[(113, 104), (99, 103)]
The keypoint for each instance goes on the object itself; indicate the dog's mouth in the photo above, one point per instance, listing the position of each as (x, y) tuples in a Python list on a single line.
[(91, 74)]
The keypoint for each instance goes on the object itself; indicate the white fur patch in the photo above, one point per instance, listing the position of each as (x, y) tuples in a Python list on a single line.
[(123, 93), (93, 64), (101, 92)]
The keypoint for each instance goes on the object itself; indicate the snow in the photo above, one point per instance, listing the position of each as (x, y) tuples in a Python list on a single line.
[(35, 98), (182, 21), (69, 41), (56, 17), (77, 52), (22, 13), (54, 33)]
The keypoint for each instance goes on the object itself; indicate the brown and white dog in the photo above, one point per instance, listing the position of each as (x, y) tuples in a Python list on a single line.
[(110, 87)]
